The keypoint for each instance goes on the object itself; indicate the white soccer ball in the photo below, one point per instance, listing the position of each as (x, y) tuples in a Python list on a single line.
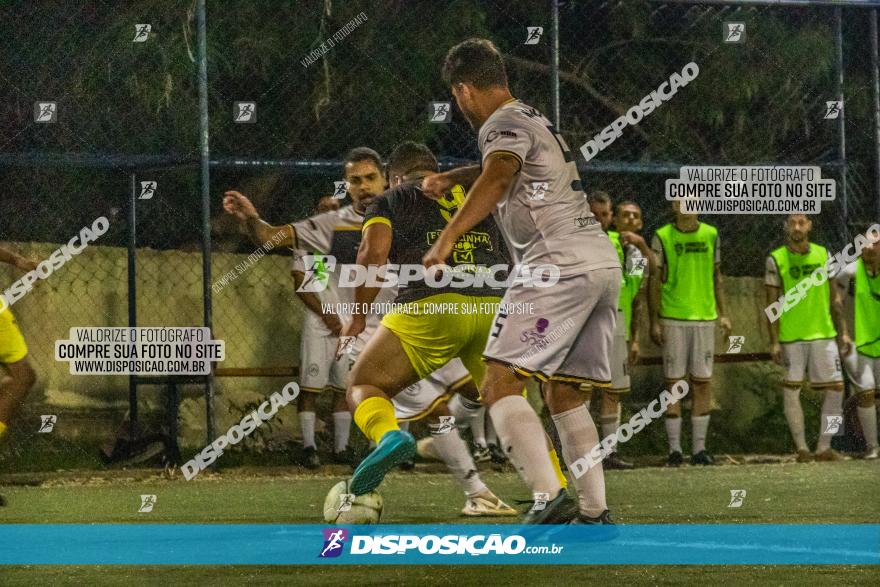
[(342, 507)]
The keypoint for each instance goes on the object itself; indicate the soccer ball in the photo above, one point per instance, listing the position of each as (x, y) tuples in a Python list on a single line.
[(342, 507)]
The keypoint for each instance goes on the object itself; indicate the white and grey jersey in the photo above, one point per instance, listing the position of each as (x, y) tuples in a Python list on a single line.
[(545, 216)]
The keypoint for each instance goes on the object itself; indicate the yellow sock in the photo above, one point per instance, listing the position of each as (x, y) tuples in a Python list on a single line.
[(375, 416), (554, 458), (2, 431)]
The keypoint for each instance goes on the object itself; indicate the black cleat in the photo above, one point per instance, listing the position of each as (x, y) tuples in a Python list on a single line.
[(407, 465), (497, 455), (674, 459), (2, 501), (560, 510), (344, 457), (603, 518), (310, 458), (702, 458), (613, 461)]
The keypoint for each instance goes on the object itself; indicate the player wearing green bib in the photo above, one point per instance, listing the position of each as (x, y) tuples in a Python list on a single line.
[(805, 338), (861, 280), (686, 297), (634, 256)]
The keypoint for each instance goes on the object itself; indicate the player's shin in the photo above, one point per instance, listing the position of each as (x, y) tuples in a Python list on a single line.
[(794, 415), (375, 417), (832, 408), (518, 426), (454, 452), (578, 436), (868, 419)]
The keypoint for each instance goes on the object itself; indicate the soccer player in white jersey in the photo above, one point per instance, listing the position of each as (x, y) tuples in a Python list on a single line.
[(529, 182), (861, 281), (337, 235)]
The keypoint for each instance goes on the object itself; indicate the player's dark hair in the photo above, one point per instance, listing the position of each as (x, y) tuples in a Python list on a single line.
[(599, 197), (623, 203), (475, 61), (359, 154), (409, 157)]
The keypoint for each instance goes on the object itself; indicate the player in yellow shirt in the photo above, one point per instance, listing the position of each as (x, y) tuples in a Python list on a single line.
[(19, 376)]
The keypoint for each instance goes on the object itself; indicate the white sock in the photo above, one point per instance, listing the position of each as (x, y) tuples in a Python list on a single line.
[(699, 426), (794, 415), (341, 430), (464, 411), (610, 424), (478, 427), (404, 426), (307, 425), (491, 435), (455, 454), (832, 406), (673, 432), (868, 420), (522, 440), (578, 435)]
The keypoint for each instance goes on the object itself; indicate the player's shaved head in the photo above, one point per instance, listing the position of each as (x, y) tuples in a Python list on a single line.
[(477, 62), (410, 157)]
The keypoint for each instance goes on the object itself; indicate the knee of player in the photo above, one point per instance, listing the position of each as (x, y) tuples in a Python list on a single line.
[(25, 375)]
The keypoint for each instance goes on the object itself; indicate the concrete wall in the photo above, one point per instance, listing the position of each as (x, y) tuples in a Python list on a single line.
[(259, 318)]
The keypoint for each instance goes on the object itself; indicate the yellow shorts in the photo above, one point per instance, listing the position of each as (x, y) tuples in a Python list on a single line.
[(439, 328), (12, 345)]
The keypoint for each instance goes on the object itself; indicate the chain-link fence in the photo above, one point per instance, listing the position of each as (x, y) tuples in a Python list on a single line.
[(98, 97)]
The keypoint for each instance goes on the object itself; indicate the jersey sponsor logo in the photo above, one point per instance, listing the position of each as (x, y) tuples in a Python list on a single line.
[(695, 247), (535, 335), (585, 221), (802, 271), (334, 541), (494, 134)]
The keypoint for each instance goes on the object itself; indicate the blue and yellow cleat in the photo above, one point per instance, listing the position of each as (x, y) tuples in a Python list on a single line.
[(395, 447)]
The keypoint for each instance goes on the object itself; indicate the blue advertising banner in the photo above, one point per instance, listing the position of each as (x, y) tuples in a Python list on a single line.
[(262, 544)]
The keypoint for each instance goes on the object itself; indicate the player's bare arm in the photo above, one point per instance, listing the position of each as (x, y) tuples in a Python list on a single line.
[(489, 188), (313, 303), (844, 342), (721, 302), (654, 307), (435, 186), (374, 249), (635, 239), (772, 294), (260, 232), (634, 325), (12, 258)]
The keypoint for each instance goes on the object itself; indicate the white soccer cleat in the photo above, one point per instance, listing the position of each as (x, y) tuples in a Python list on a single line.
[(871, 454), (487, 505)]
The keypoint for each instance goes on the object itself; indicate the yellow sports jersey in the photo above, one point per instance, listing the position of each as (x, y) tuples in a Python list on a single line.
[(12, 345)]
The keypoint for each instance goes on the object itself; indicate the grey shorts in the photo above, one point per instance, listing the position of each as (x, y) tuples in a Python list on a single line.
[(569, 335), (816, 361), (688, 349)]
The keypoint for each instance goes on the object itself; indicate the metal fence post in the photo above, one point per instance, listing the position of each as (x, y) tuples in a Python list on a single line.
[(554, 63), (875, 74), (841, 119), (132, 292), (204, 164)]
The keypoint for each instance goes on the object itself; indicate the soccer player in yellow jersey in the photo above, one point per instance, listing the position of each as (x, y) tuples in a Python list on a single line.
[(19, 376)]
